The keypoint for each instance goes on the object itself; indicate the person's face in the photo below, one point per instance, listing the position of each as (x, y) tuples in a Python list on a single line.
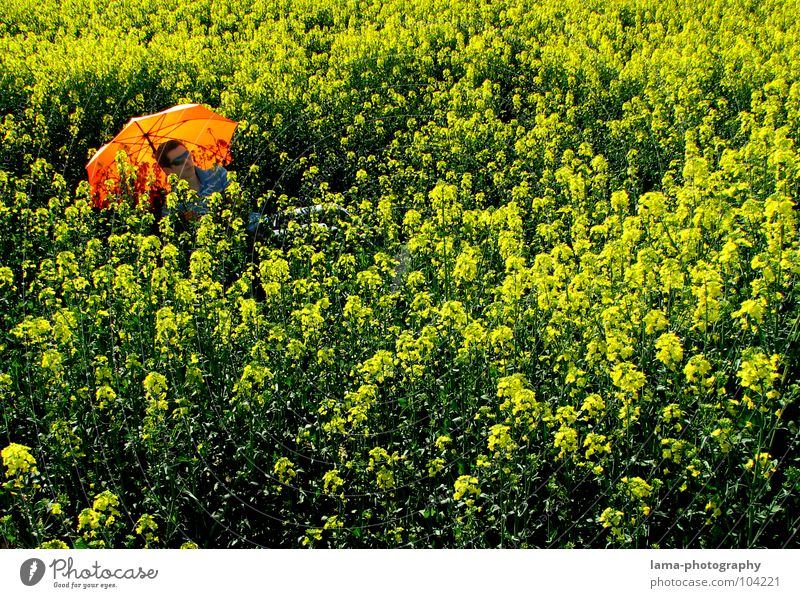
[(180, 163)]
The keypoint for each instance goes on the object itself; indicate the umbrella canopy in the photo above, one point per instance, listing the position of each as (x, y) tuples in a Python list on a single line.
[(205, 134)]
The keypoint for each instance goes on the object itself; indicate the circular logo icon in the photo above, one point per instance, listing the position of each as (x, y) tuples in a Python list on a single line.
[(31, 572)]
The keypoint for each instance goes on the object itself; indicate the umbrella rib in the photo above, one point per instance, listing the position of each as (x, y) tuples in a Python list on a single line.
[(147, 136), (155, 131)]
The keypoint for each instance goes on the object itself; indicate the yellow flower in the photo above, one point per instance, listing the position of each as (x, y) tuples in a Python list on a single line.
[(33, 330), (312, 535), (474, 338), (378, 368), (751, 313), (670, 350), (435, 466), (356, 312), (594, 406), (673, 449), (566, 439), (707, 287), (500, 439), (762, 464), (310, 317), (442, 441), (6, 278), (155, 389), (671, 275), (88, 518), (466, 485), (333, 522), (715, 510), (54, 545), (596, 443), (696, 369), (501, 339), (466, 268), (331, 481), (284, 469), (637, 487), (52, 361), (384, 478), (611, 518), (361, 401), (105, 396), (106, 501), (758, 371), (146, 522), (452, 314), (380, 462), (370, 279), (103, 513), (627, 378), (252, 382), (18, 460), (147, 528), (655, 321), (620, 202), (671, 411), (521, 400), (166, 330), (629, 414)]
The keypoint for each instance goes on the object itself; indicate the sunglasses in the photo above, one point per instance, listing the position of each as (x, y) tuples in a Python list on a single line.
[(180, 160)]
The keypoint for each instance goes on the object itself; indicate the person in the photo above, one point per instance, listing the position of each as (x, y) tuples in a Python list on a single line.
[(173, 158)]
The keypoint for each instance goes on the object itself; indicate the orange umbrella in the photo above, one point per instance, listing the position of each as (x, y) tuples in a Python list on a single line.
[(205, 134)]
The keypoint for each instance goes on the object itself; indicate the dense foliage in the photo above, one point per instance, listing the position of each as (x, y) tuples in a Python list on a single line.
[(564, 311)]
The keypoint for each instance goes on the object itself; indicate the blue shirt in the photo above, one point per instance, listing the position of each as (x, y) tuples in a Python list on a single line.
[(212, 180)]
